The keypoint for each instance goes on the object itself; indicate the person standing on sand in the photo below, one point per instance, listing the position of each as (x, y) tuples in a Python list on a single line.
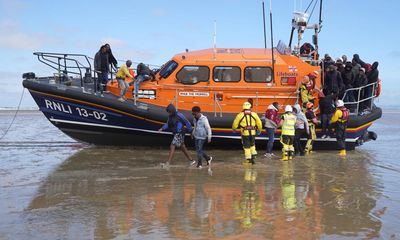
[(201, 132)]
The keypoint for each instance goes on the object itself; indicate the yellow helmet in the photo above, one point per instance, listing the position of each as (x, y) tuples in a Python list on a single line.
[(246, 106)]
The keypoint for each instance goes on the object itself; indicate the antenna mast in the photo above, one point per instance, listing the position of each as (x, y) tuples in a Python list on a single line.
[(215, 38), (265, 34)]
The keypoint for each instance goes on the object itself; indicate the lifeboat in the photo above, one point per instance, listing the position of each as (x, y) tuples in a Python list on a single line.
[(218, 80)]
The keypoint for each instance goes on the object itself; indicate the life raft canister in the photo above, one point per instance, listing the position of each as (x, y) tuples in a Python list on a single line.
[(378, 88)]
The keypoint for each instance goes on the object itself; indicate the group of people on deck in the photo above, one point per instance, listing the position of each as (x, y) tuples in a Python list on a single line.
[(104, 61), (343, 74)]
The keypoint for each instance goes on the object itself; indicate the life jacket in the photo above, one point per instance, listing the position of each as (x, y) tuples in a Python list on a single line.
[(249, 124), (289, 120), (345, 115)]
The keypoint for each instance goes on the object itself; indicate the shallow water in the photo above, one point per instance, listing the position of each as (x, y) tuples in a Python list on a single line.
[(55, 188)]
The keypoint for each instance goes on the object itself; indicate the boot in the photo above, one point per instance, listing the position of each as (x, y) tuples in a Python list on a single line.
[(290, 155), (342, 153), (253, 157), (285, 156), (246, 161)]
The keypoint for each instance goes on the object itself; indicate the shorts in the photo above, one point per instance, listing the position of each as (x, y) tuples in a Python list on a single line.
[(178, 140)]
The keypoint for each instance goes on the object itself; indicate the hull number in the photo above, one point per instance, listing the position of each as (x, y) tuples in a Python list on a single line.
[(82, 112)]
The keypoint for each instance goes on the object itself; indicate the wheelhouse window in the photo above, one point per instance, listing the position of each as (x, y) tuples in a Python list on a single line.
[(258, 74), (226, 74), (168, 68), (193, 74)]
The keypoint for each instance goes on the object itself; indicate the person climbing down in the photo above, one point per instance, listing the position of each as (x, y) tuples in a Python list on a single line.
[(339, 119), (178, 124), (312, 122), (122, 73), (306, 93), (250, 125), (201, 132), (288, 120)]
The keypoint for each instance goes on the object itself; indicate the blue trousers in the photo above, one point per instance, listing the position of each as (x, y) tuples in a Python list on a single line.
[(270, 135), (199, 143)]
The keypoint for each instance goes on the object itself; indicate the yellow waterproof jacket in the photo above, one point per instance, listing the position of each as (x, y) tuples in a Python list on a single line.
[(289, 120), (123, 72), (248, 122), (338, 116), (306, 96)]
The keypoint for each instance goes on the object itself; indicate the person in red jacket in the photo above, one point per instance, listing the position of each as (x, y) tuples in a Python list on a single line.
[(271, 122)]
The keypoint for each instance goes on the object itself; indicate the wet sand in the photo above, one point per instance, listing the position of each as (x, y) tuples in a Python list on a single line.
[(55, 188)]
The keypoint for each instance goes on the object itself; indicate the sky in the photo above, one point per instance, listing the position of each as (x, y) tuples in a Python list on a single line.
[(155, 30)]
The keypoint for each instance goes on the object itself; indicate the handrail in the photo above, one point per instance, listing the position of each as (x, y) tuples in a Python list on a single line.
[(360, 95), (62, 63)]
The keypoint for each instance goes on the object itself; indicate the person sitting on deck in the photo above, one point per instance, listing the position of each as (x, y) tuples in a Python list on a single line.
[(143, 73), (122, 73), (307, 50)]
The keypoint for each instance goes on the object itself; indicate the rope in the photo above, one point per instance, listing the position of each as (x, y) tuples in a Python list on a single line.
[(15, 115)]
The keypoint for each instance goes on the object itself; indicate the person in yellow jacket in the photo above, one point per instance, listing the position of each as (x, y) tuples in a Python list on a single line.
[(122, 73), (306, 92), (250, 125), (288, 121), (339, 119)]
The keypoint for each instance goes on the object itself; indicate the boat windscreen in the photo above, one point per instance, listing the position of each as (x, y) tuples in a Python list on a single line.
[(168, 68)]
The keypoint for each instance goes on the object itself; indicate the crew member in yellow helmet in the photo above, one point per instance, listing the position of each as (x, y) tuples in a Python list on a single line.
[(288, 120), (250, 125)]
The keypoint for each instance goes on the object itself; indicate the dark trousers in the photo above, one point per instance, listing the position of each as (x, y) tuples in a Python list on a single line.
[(325, 119), (199, 143), (102, 80), (340, 130), (271, 136), (298, 147)]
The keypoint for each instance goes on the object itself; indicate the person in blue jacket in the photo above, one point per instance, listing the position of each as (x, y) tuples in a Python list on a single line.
[(178, 124)]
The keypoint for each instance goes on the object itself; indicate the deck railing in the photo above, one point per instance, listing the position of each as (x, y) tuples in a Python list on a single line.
[(355, 98)]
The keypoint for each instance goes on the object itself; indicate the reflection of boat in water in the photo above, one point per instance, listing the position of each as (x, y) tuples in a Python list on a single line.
[(108, 195), (219, 80)]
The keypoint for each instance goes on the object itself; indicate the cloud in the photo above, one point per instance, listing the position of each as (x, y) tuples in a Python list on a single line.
[(14, 38)]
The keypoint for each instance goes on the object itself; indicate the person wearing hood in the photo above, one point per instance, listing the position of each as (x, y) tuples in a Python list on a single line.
[(333, 82), (348, 81), (327, 108), (288, 120), (178, 124), (201, 132), (301, 129), (271, 123), (101, 65)]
